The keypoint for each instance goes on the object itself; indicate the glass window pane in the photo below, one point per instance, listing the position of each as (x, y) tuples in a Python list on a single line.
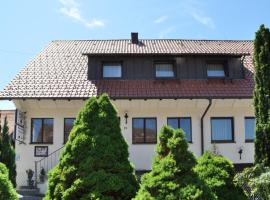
[(250, 128), (164, 70), (173, 122), (221, 129), (137, 130), (150, 130), (112, 70), (36, 130), (68, 125), (47, 130), (215, 70), (185, 124)]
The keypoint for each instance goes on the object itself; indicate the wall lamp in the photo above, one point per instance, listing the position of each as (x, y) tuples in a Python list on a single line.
[(240, 151), (126, 117)]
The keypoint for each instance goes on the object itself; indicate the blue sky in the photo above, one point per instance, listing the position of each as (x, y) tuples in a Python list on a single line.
[(27, 26)]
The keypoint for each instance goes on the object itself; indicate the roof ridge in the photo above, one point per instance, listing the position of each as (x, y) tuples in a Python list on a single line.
[(199, 40)]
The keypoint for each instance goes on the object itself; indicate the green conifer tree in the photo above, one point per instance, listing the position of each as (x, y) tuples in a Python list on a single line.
[(7, 192), (218, 173), (172, 176), (94, 163), (261, 62), (7, 152)]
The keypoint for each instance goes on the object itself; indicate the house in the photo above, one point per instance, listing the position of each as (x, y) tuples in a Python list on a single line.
[(202, 86)]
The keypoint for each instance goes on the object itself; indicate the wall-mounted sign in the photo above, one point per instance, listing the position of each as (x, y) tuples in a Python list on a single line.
[(41, 151), (20, 118)]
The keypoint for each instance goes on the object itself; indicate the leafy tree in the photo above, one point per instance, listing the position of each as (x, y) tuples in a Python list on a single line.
[(94, 163), (218, 173), (256, 179), (172, 176), (7, 153), (7, 192), (262, 95)]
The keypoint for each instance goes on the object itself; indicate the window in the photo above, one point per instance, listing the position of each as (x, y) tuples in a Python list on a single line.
[(42, 130), (68, 125), (112, 70), (249, 129), (222, 129), (216, 70), (164, 70), (183, 123), (144, 130)]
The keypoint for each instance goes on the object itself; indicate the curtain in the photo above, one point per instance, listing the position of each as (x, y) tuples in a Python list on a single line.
[(249, 128), (112, 71), (185, 124), (164, 70), (215, 70), (221, 129)]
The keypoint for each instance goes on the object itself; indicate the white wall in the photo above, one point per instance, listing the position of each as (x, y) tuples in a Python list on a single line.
[(140, 154)]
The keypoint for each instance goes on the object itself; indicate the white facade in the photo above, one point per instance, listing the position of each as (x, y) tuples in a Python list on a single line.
[(141, 154)]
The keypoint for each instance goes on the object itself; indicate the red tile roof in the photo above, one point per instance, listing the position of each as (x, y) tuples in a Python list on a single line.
[(60, 71)]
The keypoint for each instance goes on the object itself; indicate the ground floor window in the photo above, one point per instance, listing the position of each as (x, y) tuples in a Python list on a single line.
[(222, 129), (249, 129), (183, 123), (68, 125), (41, 130), (144, 130)]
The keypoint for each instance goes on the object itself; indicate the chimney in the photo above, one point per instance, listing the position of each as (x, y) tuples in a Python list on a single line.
[(134, 38)]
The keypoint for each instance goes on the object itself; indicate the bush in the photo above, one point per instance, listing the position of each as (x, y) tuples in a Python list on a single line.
[(172, 176), (7, 152), (218, 173), (94, 163), (262, 185), (7, 192), (255, 180)]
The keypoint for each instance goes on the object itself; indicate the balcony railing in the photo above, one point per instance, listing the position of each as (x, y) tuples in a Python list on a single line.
[(46, 163)]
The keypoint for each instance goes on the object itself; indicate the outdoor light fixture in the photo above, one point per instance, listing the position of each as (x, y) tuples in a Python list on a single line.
[(240, 151), (126, 117)]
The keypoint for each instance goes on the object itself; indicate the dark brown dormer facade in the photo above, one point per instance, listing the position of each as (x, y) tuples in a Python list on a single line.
[(165, 67)]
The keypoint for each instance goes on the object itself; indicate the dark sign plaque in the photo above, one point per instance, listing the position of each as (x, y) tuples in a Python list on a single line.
[(41, 151)]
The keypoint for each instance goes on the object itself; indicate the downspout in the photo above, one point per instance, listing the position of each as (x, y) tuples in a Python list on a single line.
[(202, 127)]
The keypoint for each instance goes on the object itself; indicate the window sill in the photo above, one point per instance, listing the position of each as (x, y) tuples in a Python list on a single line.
[(45, 143), (249, 141), (222, 141), (217, 77), (112, 78), (165, 78), (147, 143)]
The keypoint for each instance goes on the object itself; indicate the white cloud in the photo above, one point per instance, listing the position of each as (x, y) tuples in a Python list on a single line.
[(71, 9), (163, 34), (203, 19), (95, 23), (195, 9), (161, 19)]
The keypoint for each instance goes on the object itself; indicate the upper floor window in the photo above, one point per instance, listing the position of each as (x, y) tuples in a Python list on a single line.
[(164, 70), (222, 129), (144, 130), (183, 123), (68, 125), (216, 70), (42, 130), (249, 129), (112, 70)]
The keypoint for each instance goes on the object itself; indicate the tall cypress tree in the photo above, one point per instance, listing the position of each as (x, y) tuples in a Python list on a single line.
[(94, 163), (261, 62), (7, 153)]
